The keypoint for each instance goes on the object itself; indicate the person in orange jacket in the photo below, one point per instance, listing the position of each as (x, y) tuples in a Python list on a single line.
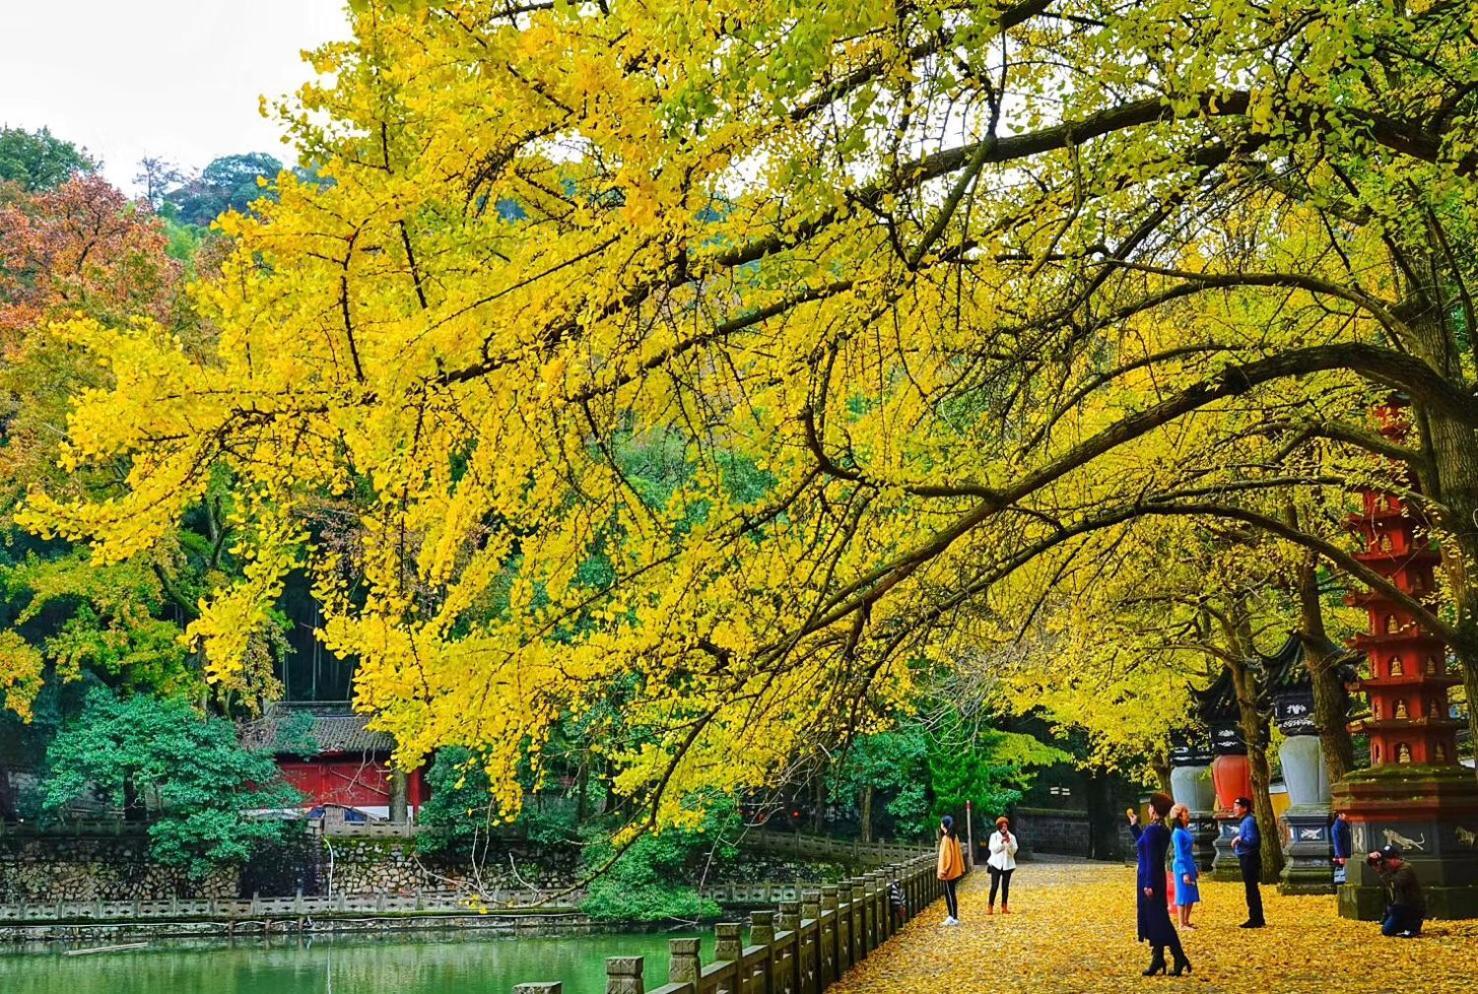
[(951, 867)]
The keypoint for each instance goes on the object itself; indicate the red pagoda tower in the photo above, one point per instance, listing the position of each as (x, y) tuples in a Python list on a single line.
[(1409, 719), (1415, 793)]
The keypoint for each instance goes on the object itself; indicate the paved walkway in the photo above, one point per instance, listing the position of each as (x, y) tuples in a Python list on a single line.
[(1072, 930)]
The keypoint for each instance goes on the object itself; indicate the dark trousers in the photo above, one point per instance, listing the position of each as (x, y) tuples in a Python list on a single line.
[(1399, 919), (1251, 876), (951, 902), (1000, 879)]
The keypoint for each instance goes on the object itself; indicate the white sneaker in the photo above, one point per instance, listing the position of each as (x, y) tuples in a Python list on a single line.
[(951, 920)]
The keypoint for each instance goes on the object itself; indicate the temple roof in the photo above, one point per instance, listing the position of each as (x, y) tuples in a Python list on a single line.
[(317, 728), (1283, 670)]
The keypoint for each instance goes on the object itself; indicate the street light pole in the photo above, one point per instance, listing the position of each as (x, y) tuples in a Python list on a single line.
[(970, 832)]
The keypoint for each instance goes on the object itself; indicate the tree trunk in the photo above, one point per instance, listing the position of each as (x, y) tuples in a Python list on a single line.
[(1103, 820), (582, 789), (819, 801), (1449, 476), (1160, 764), (399, 802), (1331, 699), (1254, 732), (134, 808), (864, 808)]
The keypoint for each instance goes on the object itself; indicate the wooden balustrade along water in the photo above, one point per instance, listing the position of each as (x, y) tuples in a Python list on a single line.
[(802, 949)]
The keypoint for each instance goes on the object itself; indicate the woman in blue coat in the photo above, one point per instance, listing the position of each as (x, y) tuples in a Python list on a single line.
[(1152, 843), (1183, 865)]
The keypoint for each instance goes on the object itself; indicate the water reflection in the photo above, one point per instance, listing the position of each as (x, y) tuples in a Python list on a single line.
[(444, 963)]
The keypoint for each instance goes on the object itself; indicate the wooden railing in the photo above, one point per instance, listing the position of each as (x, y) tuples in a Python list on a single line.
[(803, 949)]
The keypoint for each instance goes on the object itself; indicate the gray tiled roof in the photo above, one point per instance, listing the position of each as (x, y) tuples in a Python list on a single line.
[(318, 728)]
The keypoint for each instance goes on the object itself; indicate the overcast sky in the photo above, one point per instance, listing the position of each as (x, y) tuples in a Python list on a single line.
[(177, 79)]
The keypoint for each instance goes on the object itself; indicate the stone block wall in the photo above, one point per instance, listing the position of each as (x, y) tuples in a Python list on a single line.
[(1062, 833), (45, 869)]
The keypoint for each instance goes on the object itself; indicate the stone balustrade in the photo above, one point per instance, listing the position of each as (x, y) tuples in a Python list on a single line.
[(802, 949)]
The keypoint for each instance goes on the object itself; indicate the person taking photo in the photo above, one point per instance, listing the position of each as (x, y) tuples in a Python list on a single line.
[(1001, 864), (1406, 907)]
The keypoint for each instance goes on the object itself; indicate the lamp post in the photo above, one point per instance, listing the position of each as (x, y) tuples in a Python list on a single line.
[(970, 832)]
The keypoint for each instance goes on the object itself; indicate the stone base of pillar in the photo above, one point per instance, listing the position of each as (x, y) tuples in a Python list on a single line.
[(1224, 865), (1307, 855), (1203, 839), (1432, 813)]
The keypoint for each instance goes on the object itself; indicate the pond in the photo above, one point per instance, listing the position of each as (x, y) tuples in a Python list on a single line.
[(433, 962)]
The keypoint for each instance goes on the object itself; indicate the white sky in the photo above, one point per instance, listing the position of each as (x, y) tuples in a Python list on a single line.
[(174, 78)]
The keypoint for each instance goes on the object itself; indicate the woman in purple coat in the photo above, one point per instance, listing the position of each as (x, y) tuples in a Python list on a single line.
[(1152, 842)]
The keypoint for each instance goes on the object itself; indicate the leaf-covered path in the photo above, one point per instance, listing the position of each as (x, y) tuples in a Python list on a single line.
[(1072, 930)]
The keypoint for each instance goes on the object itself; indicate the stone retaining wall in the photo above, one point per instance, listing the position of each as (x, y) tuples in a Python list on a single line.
[(42, 869)]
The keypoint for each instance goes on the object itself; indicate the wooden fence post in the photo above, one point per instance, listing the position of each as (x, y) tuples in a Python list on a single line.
[(830, 916), (845, 923), (790, 916)]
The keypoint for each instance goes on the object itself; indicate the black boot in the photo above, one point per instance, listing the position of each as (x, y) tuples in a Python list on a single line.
[(1181, 965), (1157, 963)]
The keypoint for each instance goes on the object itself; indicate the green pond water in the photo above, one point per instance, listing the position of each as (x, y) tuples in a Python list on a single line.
[(431, 962)]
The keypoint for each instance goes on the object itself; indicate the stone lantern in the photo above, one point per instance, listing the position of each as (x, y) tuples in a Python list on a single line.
[(1231, 771), (1190, 784), (1307, 866)]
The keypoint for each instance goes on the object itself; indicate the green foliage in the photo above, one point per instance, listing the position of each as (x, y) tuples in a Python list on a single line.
[(108, 619), (456, 818), (655, 878), (992, 770), (459, 818), (892, 763), (189, 770), (227, 183), (38, 160), (920, 773)]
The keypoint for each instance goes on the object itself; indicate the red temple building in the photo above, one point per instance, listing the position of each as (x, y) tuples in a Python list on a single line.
[(1415, 793), (341, 767)]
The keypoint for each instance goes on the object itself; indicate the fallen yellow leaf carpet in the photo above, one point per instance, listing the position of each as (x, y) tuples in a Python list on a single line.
[(1072, 930)]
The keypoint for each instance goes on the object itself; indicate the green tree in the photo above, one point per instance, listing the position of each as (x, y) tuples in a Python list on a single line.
[(188, 770), (227, 183), (891, 763), (38, 160), (657, 876)]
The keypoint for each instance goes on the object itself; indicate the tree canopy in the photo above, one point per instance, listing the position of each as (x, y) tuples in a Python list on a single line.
[(920, 307), (38, 160)]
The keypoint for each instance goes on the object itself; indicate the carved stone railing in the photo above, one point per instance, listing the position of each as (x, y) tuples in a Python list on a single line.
[(819, 847), (802, 949)]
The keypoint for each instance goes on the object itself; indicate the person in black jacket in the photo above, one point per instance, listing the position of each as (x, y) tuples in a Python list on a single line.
[(1152, 843), (1407, 907)]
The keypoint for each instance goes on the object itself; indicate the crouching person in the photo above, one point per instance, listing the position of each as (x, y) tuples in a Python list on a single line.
[(1405, 908)]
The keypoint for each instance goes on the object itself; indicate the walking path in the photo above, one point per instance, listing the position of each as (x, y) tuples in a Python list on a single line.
[(1072, 931)]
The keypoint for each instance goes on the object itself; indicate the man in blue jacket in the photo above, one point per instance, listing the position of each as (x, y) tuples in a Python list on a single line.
[(1247, 844), (1339, 835)]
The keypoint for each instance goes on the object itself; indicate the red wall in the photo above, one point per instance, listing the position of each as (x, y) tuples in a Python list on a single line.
[(353, 782)]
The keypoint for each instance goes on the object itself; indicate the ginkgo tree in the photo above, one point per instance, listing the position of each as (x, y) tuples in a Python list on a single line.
[(892, 286)]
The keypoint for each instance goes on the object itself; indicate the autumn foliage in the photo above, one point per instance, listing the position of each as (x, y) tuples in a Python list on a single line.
[(727, 366)]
